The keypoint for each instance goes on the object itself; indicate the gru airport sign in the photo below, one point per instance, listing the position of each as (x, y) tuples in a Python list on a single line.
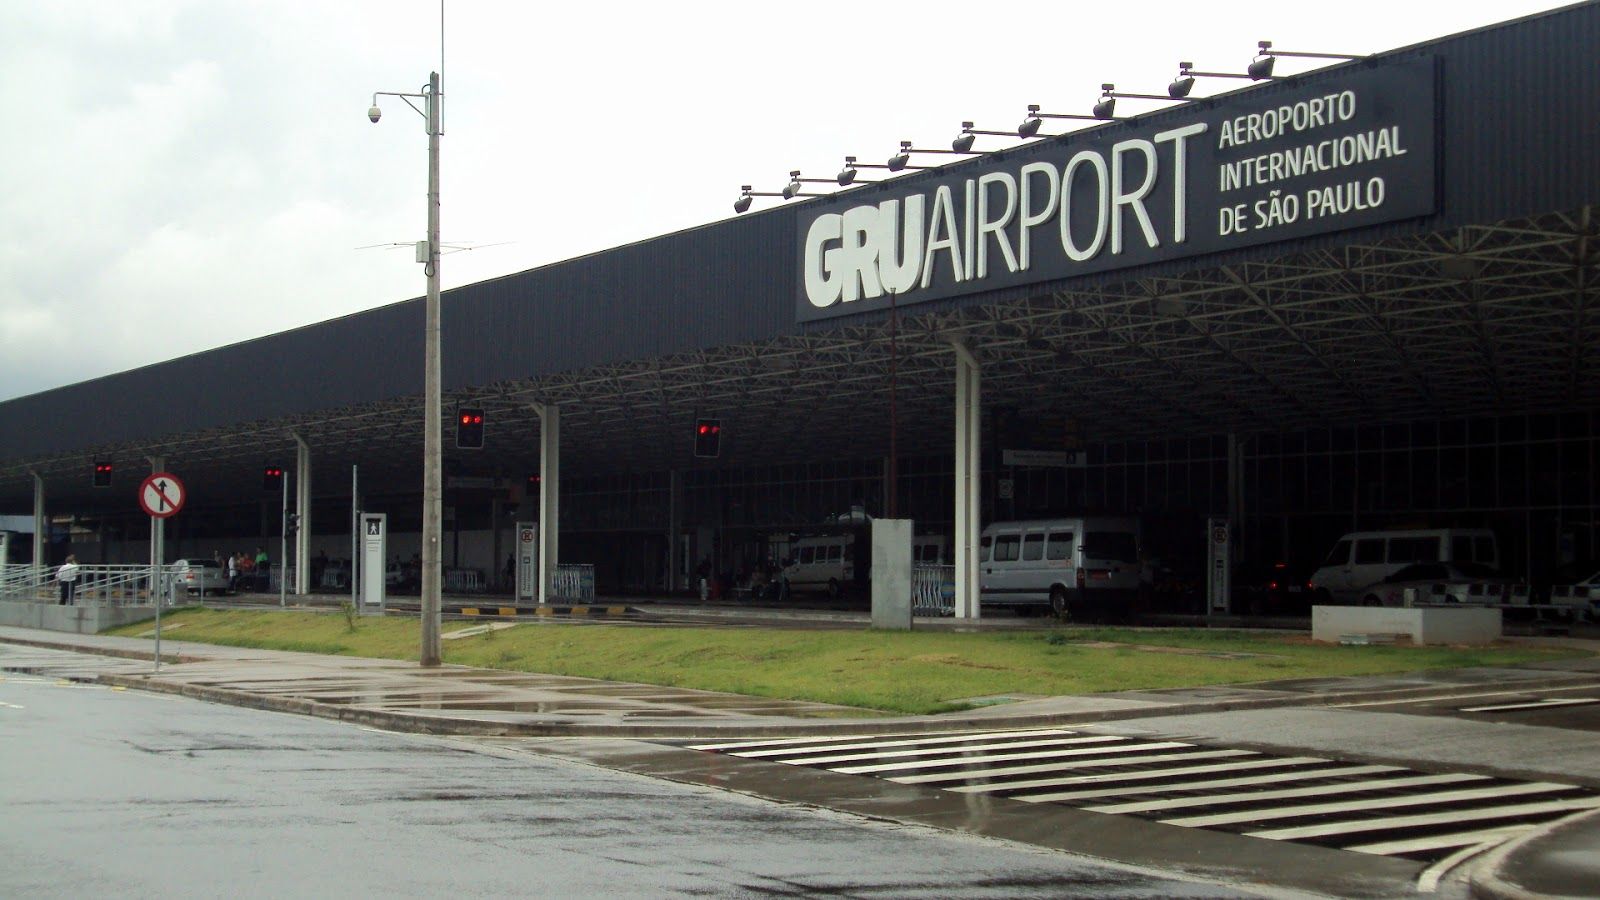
[(1356, 149)]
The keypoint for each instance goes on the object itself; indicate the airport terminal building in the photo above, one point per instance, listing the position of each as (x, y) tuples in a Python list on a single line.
[(1358, 298)]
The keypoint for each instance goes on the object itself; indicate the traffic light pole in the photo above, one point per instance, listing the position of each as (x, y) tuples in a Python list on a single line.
[(283, 544)]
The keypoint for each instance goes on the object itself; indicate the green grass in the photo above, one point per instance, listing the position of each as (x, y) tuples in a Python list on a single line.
[(908, 672)]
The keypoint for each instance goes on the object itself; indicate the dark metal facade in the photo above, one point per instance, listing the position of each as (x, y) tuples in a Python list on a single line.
[(1518, 137)]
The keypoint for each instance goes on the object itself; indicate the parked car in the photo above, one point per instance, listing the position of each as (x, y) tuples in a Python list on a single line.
[(1364, 558), (201, 575), (1268, 589), (1440, 582)]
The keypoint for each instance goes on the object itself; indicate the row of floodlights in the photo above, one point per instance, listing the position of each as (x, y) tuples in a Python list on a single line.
[(1104, 110)]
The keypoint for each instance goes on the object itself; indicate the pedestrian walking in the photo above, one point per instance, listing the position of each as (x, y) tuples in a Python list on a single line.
[(67, 575), (233, 571)]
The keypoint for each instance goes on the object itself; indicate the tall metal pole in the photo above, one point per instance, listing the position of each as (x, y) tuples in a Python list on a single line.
[(432, 450), (892, 511), (283, 543)]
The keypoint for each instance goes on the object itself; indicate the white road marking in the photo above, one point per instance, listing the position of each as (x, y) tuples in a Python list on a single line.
[(1537, 704), (1378, 803), (1428, 881), (11, 705), (832, 739), (1120, 787), (1333, 829), (1319, 790), (1066, 766), (828, 758), (1512, 693), (913, 742), (1441, 841), (1012, 757)]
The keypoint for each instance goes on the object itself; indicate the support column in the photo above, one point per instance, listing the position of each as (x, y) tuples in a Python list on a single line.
[(674, 529), (1235, 504), (302, 508), (968, 481), (549, 497), (39, 523)]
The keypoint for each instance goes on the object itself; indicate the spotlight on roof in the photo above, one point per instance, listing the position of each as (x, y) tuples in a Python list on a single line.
[(792, 189), (963, 141), (1030, 125), (743, 203), (1107, 107), (848, 173), (1261, 66), (1183, 84), (900, 160)]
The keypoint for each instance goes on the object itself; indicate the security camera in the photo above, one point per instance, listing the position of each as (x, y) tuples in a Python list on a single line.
[(374, 114)]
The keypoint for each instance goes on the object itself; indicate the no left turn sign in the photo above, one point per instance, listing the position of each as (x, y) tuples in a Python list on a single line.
[(161, 495)]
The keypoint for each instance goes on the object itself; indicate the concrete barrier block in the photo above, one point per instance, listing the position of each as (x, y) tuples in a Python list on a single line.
[(1442, 625)]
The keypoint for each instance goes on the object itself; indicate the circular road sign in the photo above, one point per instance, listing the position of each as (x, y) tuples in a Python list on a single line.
[(161, 495)]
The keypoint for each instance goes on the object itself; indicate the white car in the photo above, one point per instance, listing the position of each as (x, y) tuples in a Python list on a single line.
[(201, 576)]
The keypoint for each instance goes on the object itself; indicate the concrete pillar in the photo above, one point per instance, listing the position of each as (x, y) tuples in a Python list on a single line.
[(891, 574), (302, 506), (549, 497), (968, 481), (39, 523)]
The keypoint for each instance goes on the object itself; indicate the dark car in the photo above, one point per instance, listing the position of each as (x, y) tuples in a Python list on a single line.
[(1271, 589)]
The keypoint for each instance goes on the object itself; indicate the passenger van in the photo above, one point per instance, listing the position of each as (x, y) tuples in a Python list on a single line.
[(1076, 567), (930, 550), (821, 564), (1363, 558)]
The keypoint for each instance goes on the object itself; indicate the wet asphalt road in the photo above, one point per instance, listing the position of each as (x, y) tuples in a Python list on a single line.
[(129, 794)]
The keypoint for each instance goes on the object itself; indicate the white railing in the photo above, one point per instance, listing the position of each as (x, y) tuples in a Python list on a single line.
[(933, 590), (462, 581), (102, 584), (575, 581)]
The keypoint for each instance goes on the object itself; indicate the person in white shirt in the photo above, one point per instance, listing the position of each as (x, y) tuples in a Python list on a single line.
[(67, 575)]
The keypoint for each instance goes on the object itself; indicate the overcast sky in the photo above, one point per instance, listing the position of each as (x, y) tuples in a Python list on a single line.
[(183, 175)]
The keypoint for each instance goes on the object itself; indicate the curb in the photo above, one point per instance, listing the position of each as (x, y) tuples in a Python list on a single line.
[(421, 724), (949, 722), (102, 651), (574, 612), (1488, 880)]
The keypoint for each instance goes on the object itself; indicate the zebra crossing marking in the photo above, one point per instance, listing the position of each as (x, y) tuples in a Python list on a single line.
[(1347, 806)]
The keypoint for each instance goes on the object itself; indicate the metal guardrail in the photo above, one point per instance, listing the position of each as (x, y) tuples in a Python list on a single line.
[(111, 585), (462, 581), (574, 581), (933, 590)]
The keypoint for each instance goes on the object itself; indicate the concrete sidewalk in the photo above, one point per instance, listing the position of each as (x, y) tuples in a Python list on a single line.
[(1562, 859)]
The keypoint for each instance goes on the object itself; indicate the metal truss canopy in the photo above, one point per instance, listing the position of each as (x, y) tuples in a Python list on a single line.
[(1489, 318)]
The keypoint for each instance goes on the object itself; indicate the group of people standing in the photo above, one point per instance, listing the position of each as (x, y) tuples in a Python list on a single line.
[(246, 569)]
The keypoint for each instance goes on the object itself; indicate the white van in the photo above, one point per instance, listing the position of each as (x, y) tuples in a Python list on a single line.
[(1076, 567), (1364, 558), (821, 564), (930, 550)]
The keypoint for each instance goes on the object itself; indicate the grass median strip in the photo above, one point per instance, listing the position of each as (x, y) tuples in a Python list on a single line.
[(908, 672)]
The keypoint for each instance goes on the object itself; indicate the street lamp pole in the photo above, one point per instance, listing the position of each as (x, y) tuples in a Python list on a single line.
[(432, 444)]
